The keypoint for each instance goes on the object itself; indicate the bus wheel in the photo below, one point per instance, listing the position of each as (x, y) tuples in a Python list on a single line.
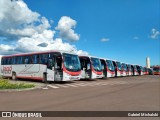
[(14, 76), (44, 78)]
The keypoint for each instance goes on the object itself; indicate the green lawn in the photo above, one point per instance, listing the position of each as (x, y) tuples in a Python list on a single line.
[(5, 84)]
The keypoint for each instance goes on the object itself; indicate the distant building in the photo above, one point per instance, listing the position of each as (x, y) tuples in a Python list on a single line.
[(148, 62)]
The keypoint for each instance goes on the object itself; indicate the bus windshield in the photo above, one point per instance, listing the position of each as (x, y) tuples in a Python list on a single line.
[(96, 64), (156, 69), (119, 65), (71, 62), (141, 68), (110, 65)]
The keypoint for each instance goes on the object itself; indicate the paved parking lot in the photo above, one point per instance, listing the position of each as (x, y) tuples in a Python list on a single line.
[(137, 93), (102, 82)]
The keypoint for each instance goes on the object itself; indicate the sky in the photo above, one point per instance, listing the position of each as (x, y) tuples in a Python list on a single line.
[(123, 30)]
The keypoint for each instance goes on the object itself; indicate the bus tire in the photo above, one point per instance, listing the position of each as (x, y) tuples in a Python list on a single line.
[(44, 80), (14, 76)]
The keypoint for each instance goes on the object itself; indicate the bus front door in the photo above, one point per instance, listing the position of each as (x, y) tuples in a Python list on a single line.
[(85, 69), (58, 72)]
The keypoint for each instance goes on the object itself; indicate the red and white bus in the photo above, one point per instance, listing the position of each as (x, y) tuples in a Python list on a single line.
[(108, 68), (140, 69), (45, 66), (135, 71), (124, 69), (130, 70), (90, 67), (118, 68), (145, 71), (156, 70)]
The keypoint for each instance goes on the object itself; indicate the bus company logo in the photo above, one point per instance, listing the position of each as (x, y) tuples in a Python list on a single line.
[(7, 70)]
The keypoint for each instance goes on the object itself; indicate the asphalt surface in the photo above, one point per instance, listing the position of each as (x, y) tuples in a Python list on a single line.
[(138, 93)]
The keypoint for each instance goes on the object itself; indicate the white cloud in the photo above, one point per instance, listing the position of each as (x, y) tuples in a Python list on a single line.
[(6, 47), (15, 16), (81, 52), (154, 34), (135, 38), (65, 26), (105, 39), (25, 31)]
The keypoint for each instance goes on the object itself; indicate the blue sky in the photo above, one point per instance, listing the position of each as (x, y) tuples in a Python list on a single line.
[(124, 30)]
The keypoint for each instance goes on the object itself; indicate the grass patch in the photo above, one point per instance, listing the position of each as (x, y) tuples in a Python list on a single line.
[(5, 84)]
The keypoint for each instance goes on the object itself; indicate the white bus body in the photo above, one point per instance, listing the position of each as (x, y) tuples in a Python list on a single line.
[(90, 67), (45, 66)]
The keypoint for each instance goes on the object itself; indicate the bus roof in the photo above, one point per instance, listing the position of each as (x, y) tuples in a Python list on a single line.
[(88, 56), (42, 52), (156, 67), (106, 59)]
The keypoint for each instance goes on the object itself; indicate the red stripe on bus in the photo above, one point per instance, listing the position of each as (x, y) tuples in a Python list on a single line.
[(121, 72), (110, 71), (98, 73), (156, 73), (71, 73)]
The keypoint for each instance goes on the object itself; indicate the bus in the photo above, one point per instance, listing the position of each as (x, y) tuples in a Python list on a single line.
[(130, 70), (44, 66), (118, 68), (108, 68), (124, 69), (145, 71), (156, 70), (139, 69), (135, 71), (90, 67)]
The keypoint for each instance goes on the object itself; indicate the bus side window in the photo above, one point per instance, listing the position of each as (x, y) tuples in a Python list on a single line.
[(9, 61), (16, 60), (43, 58), (3, 61), (50, 63), (30, 59), (35, 59), (19, 60), (6, 61), (13, 60), (25, 60)]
